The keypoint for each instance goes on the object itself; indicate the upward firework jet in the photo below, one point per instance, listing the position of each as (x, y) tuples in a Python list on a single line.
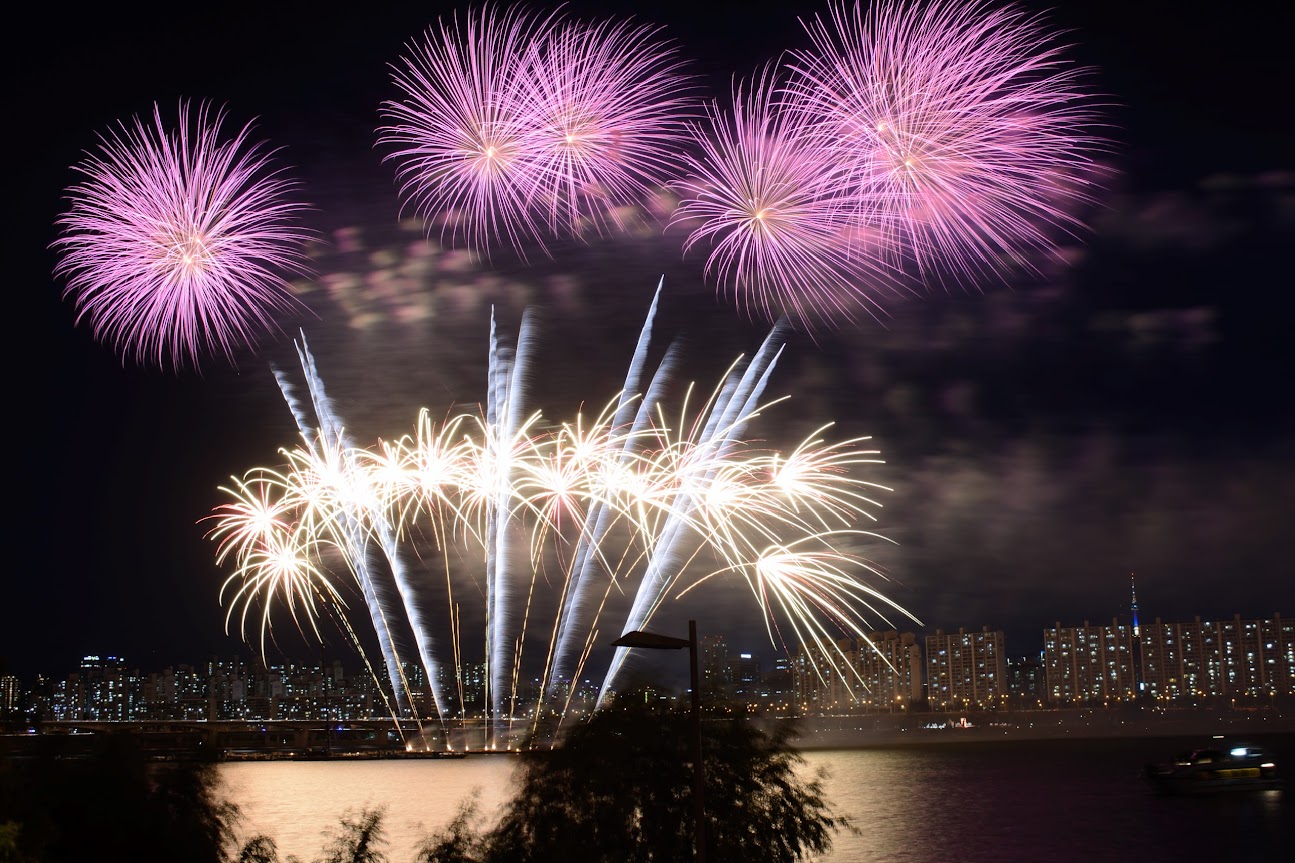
[(177, 240), (733, 407), (356, 524), (641, 502)]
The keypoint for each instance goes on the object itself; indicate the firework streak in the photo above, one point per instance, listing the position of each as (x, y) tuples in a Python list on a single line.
[(639, 502)]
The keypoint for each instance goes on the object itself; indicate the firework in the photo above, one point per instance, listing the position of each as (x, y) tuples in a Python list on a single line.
[(607, 104), (343, 503), (275, 556), (564, 520), (176, 240), (515, 129), (966, 136), (766, 194), (460, 129)]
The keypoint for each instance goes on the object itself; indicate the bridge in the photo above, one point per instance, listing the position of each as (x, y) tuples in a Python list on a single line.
[(272, 738)]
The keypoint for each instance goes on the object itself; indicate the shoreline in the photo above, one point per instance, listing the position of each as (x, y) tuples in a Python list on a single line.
[(812, 733), (932, 729)]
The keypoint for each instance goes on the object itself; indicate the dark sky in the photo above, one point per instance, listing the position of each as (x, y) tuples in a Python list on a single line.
[(1128, 412)]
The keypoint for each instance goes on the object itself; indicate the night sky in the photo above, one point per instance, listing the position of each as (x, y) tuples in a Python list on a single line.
[(1127, 412)]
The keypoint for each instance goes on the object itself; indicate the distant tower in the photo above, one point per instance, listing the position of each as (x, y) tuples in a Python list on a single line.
[(1137, 637), (1133, 586)]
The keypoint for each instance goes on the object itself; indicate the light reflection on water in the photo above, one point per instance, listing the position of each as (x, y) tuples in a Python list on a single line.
[(1036, 800), (298, 803)]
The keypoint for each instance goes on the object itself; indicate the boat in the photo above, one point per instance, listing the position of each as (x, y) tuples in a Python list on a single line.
[(1222, 766)]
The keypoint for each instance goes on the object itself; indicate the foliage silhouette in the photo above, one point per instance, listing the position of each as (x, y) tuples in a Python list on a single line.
[(458, 841), (619, 788), (359, 839), (259, 849), (112, 804)]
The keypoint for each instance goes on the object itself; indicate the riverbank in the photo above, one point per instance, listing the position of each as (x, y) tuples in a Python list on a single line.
[(306, 741), (838, 732), (368, 755)]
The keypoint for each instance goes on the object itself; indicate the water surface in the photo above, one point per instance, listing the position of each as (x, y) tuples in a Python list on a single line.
[(1050, 800)]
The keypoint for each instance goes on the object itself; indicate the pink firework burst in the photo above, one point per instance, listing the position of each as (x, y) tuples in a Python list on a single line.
[(175, 241), (967, 134), (766, 195), (607, 104), (460, 129)]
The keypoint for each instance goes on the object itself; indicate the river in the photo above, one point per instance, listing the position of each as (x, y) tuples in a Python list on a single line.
[(1032, 800)]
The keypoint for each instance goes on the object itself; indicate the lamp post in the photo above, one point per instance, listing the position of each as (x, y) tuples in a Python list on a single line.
[(652, 641)]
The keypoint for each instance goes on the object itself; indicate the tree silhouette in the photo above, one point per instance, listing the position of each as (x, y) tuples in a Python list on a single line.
[(112, 805), (619, 788)]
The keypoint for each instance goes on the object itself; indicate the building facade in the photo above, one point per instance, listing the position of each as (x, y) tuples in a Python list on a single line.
[(1252, 658), (966, 670), (878, 673), (1089, 664)]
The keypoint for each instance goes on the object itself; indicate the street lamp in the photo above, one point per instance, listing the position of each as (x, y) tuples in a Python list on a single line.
[(652, 641)]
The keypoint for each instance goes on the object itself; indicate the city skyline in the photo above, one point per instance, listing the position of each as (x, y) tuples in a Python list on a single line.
[(663, 674), (1171, 664), (1044, 439)]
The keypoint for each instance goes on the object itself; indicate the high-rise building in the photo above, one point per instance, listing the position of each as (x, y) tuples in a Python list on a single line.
[(714, 664), (820, 677), (1089, 664), (473, 687), (881, 672), (966, 669), (103, 690), (744, 676), (778, 686), (1026, 681), (890, 666), (9, 695), (1205, 659)]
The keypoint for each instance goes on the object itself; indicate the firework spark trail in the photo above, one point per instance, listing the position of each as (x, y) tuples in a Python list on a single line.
[(274, 551), (765, 193), (727, 420), (325, 438), (271, 560), (509, 124), (176, 240), (460, 131), (809, 586), (506, 422), (598, 519)]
